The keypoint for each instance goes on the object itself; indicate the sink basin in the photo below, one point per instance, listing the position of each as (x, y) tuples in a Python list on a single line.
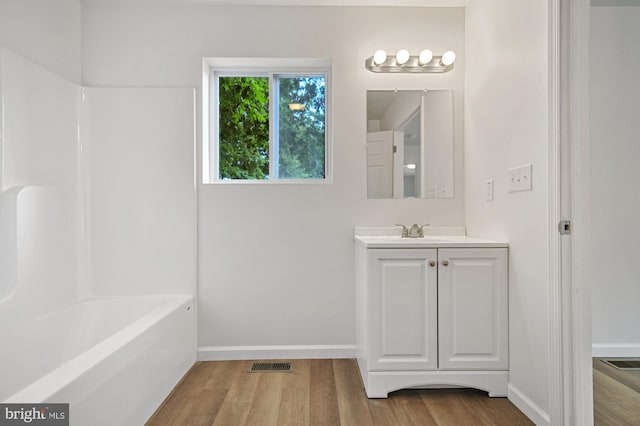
[(399, 241), (419, 239)]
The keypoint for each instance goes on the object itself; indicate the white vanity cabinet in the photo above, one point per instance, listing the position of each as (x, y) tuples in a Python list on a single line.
[(431, 312), (402, 320), (473, 309)]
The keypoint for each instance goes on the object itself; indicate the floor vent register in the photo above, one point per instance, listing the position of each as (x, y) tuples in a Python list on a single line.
[(265, 367)]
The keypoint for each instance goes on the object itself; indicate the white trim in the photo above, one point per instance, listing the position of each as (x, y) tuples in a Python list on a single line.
[(223, 353), (274, 128), (577, 342), (270, 182), (528, 407), (556, 406), (208, 163), (268, 64), (256, 67), (615, 350), (569, 23), (300, 3), (378, 384)]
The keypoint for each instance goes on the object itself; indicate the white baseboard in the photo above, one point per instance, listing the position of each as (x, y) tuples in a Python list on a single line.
[(615, 350), (225, 353), (530, 409)]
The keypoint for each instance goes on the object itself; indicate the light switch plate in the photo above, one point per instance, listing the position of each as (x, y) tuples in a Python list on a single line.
[(519, 178), (488, 188)]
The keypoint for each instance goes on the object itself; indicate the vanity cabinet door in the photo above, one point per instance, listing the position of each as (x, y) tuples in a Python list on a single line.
[(473, 309), (402, 309)]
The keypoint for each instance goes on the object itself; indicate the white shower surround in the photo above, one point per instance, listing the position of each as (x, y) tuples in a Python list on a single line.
[(98, 255)]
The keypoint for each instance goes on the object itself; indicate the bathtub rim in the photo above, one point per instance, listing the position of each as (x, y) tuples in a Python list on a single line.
[(40, 390)]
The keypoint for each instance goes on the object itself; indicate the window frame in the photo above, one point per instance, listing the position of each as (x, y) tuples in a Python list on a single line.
[(260, 67)]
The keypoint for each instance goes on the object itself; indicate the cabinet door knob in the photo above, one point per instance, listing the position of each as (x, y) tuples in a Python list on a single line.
[(445, 263), (432, 263)]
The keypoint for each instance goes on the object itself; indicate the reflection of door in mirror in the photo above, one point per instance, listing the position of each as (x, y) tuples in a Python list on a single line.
[(384, 174), (410, 144)]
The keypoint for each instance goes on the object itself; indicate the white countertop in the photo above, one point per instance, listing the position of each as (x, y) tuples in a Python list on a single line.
[(427, 242), (389, 237)]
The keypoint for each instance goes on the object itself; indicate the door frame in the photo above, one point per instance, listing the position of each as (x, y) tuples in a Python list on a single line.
[(570, 372)]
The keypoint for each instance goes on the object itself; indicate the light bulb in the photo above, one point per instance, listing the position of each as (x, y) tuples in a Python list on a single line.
[(402, 56), (425, 57), (379, 57), (448, 58), (410, 166)]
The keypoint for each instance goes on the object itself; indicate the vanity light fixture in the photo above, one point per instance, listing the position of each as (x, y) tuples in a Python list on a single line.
[(402, 56), (379, 57), (403, 61), (448, 58), (425, 57), (296, 107)]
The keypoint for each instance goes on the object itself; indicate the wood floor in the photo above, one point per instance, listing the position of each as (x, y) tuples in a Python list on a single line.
[(318, 392), (616, 395)]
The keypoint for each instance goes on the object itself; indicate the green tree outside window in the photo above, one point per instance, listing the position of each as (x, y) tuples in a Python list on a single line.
[(244, 127)]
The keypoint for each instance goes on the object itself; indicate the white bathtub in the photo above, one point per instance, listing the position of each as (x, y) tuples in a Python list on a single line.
[(113, 360)]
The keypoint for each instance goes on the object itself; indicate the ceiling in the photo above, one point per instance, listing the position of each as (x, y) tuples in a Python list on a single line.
[(414, 3)]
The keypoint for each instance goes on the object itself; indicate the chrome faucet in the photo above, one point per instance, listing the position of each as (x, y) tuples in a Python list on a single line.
[(405, 231), (416, 231)]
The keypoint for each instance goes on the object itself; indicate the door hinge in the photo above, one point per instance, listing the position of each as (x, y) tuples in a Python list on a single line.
[(395, 149), (564, 227)]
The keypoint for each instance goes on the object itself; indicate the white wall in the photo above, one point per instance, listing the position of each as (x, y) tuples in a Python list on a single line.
[(276, 261), (45, 31), (506, 125), (615, 179)]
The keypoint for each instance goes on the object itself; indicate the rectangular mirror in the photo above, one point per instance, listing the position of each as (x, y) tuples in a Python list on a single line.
[(409, 144)]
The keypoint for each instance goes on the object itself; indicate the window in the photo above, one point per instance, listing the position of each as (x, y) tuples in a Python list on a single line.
[(267, 124)]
